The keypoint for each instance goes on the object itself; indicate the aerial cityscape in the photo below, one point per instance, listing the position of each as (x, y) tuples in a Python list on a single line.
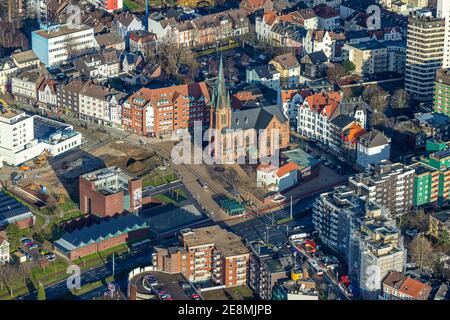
[(224, 150)]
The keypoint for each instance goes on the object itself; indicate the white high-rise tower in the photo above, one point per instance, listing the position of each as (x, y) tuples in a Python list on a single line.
[(443, 12)]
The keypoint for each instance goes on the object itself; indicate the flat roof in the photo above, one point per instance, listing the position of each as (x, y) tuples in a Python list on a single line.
[(26, 56), (62, 31), (226, 242)]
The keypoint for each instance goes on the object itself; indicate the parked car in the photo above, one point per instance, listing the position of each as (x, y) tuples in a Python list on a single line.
[(33, 246), (195, 296)]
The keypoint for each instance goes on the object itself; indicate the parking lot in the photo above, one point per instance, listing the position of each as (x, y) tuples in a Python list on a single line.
[(165, 286)]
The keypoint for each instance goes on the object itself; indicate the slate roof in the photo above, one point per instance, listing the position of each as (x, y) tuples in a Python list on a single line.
[(105, 229), (373, 139), (342, 121), (256, 118)]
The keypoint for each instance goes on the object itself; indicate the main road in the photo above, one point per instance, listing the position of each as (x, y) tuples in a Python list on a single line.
[(124, 263)]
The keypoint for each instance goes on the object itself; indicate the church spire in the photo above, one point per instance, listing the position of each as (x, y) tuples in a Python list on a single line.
[(220, 96)]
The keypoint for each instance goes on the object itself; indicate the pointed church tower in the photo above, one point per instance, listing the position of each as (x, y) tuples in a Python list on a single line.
[(220, 102)]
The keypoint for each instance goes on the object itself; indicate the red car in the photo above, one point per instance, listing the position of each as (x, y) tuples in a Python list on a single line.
[(195, 296)]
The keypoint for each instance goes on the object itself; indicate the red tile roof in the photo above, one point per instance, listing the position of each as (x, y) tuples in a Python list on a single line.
[(287, 168)]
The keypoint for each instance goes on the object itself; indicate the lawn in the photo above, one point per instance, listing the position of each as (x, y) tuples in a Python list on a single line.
[(98, 258), (157, 178), (178, 195), (131, 5)]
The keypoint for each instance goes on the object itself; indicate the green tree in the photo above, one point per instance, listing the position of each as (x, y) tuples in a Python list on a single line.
[(349, 67), (41, 292), (13, 233)]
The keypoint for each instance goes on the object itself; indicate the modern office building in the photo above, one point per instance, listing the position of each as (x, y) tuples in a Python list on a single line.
[(109, 191), (424, 53), (209, 253), (386, 184), (57, 44), (24, 137)]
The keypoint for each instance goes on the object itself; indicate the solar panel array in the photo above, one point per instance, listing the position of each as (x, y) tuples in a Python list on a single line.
[(10, 207)]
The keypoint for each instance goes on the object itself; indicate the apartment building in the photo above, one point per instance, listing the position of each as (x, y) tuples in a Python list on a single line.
[(439, 224), (200, 31), (424, 53), (441, 103), (68, 96), (265, 74), (432, 179), (374, 57), (329, 42), (329, 18), (315, 113), (361, 232), (376, 249), (101, 105), (267, 267), (109, 191), (4, 248), (289, 68), (99, 66), (334, 217), (209, 253), (443, 12), (24, 86), (163, 111), (7, 68), (126, 22), (372, 147), (57, 44), (387, 184), (397, 286)]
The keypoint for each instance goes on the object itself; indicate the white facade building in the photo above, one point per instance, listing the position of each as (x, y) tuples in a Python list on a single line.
[(24, 137), (277, 179), (4, 248), (372, 147), (443, 11), (58, 44)]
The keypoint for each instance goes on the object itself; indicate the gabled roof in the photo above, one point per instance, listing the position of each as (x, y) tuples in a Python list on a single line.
[(373, 139), (325, 103), (287, 61), (287, 168), (256, 118)]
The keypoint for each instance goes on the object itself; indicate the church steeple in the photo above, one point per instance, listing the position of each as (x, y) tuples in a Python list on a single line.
[(220, 96)]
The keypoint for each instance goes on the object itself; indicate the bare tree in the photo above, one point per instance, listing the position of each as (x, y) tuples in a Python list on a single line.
[(376, 97), (400, 99), (422, 252), (171, 57)]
